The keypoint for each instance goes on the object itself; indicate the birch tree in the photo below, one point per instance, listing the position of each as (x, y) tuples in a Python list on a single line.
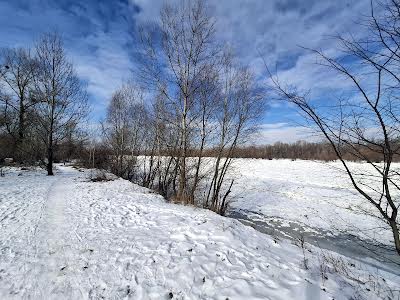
[(175, 66)]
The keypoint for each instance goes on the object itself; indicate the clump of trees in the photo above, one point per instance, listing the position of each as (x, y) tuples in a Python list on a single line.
[(124, 129), (18, 68), (368, 120), (42, 102), (198, 97)]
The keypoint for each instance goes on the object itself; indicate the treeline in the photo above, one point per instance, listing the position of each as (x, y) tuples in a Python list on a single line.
[(301, 150), (310, 151), (42, 102), (279, 150)]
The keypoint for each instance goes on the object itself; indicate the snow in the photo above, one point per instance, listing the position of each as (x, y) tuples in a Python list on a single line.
[(314, 194), (65, 237)]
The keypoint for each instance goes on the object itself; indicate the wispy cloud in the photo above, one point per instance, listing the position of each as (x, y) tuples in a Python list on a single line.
[(277, 31), (270, 133), (99, 38)]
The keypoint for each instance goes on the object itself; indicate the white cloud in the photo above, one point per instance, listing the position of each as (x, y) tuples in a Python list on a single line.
[(276, 30), (97, 38), (104, 68), (271, 133)]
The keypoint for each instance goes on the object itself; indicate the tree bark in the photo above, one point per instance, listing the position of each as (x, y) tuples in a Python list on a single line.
[(50, 156), (396, 235)]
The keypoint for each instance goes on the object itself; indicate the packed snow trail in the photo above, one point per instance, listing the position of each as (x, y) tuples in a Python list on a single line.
[(52, 248), (58, 250), (64, 237)]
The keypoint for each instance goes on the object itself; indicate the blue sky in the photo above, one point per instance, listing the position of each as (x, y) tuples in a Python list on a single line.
[(99, 39)]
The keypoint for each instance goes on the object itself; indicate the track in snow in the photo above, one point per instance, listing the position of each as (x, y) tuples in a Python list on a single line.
[(58, 251)]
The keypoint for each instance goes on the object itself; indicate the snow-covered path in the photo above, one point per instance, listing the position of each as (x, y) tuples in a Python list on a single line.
[(64, 237), (44, 243), (57, 248)]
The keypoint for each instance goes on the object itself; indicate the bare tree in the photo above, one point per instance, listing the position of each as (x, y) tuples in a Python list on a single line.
[(62, 99), (167, 142), (204, 126), (187, 49), (17, 77), (367, 121), (237, 113), (123, 127)]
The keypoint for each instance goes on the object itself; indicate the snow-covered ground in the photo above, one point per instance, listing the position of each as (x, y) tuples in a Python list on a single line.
[(316, 195), (65, 237)]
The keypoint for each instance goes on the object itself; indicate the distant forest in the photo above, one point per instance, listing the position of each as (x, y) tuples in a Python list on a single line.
[(307, 151)]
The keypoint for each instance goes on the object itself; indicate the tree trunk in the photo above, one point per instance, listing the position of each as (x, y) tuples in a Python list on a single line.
[(50, 155), (182, 169), (21, 125), (19, 143), (182, 178), (50, 161), (396, 235)]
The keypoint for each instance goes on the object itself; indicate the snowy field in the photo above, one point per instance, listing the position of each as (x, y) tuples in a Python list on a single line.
[(316, 195), (65, 237)]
